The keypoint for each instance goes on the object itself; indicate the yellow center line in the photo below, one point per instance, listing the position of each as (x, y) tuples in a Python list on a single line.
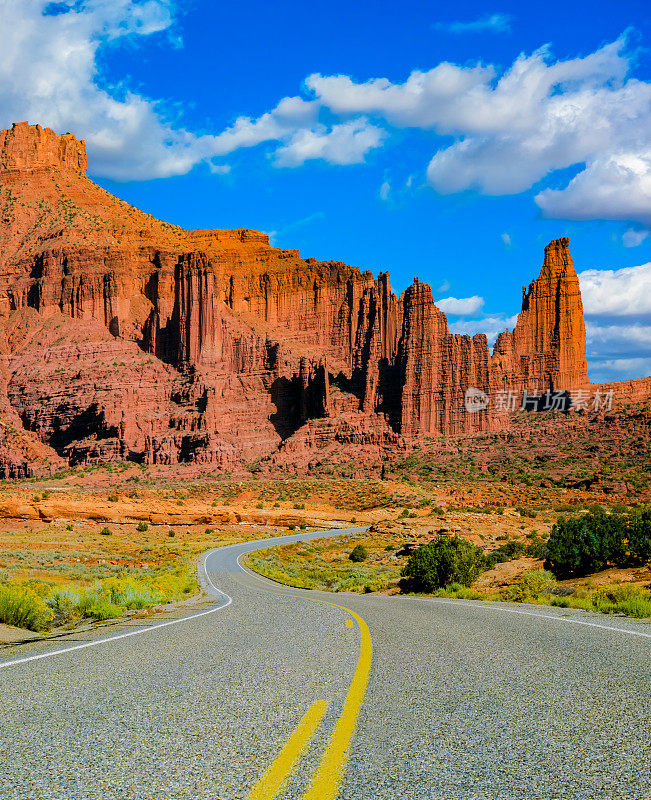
[(328, 776), (276, 775), (326, 781)]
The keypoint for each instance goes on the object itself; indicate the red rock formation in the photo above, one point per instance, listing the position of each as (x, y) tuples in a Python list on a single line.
[(126, 337), (27, 146), (546, 349), (436, 369)]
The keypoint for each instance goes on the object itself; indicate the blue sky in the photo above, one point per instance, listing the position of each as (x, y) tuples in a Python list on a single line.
[(447, 141)]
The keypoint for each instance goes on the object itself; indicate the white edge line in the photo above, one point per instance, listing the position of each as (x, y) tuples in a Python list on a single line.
[(138, 632), (485, 607)]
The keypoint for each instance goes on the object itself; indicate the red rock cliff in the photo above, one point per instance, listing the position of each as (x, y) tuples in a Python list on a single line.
[(127, 337)]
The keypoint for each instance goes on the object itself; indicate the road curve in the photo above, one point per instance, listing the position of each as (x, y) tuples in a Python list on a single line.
[(464, 700)]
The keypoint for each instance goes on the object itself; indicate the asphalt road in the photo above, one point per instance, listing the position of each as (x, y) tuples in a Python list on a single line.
[(264, 688)]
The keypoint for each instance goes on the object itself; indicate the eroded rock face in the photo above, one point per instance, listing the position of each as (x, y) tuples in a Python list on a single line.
[(126, 337), (547, 347)]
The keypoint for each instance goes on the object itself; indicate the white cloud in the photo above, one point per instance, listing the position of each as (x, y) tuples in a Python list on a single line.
[(492, 326), (49, 75), (291, 114), (616, 186), (630, 340), (617, 369), (621, 292), (385, 189), (345, 143), (515, 128), (461, 306), (510, 127), (633, 237), (490, 23), (506, 241)]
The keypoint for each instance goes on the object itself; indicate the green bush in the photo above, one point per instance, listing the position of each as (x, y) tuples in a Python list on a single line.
[(106, 532), (506, 552), (96, 604), (299, 506), (443, 561), (23, 608), (171, 533), (142, 527), (639, 536), (533, 584), (526, 512), (113, 498), (581, 545), (537, 548), (63, 604), (358, 553)]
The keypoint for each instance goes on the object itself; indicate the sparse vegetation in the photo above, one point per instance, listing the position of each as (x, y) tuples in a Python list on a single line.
[(359, 553)]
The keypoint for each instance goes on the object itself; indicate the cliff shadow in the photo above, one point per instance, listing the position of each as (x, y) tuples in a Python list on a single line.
[(286, 419)]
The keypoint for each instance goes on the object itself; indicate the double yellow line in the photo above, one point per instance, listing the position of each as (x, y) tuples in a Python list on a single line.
[(328, 775)]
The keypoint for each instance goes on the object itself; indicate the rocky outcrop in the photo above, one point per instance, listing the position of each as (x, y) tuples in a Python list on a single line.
[(436, 369), (126, 337), (28, 147), (546, 349)]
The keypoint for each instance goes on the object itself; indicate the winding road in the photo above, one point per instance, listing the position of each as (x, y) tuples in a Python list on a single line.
[(265, 691)]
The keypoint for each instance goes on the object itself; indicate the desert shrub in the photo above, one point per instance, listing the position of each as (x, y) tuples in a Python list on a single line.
[(171, 533), (63, 604), (505, 552), (69, 527), (377, 584), (638, 534), (442, 561), (622, 599), (292, 527), (106, 532), (533, 584), (358, 553), (526, 512), (96, 604), (113, 498), (581, 545), (596, 540), (259, 505), (536, 548), (23, 608), (130, 594), (299, 506), (142, 527), (459, 592), (302, 526)]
